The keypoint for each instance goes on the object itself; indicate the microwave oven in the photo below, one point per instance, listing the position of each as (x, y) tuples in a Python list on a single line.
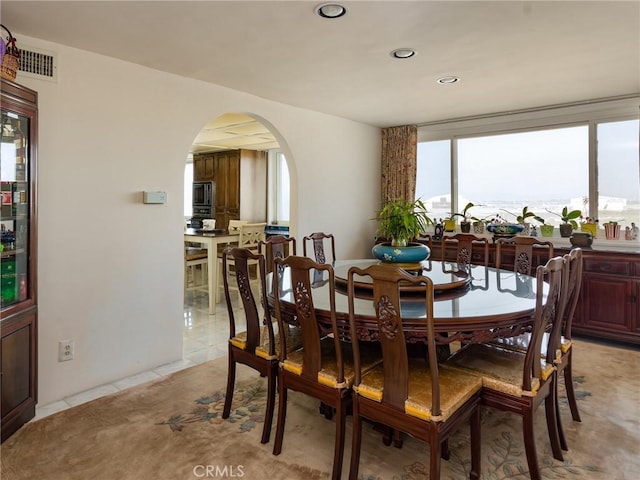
[(203, 193)]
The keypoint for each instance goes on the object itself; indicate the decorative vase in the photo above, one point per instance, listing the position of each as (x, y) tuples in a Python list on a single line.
[(449, 225), (566, 229), (580, 239), (546, 230), (412, 253)]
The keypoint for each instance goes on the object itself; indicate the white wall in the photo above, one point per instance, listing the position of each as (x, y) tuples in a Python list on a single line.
[(110, 267)]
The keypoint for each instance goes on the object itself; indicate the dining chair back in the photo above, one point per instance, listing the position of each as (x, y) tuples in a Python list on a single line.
[(413, 395), (319, 240), (523, 249), (322, 368), (517, 380), (277, 246), (466, 245), (251, 234), (234, 225)]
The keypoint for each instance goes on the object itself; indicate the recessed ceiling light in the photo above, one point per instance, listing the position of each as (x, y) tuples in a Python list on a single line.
[(448, 80), (403, 53), (330, 10)]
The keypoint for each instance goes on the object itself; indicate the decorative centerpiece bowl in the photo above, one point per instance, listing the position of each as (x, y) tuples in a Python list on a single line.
[(412, 253), (505, 229)]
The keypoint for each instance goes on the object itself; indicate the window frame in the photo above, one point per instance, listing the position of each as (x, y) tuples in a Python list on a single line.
[(589, 114)]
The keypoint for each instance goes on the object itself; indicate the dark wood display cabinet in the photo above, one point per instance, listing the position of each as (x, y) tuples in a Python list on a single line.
[(18, 262), (609, 303)]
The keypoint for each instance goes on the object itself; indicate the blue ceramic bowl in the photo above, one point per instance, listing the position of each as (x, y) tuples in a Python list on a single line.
[(412, 253), (505, 228)]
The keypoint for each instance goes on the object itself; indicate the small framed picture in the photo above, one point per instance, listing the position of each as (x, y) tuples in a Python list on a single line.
[(6, 198)]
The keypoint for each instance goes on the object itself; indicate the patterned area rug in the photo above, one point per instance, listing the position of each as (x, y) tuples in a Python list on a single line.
[(173, 429)]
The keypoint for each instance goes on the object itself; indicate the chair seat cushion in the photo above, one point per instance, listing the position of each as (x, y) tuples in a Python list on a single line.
[(456, 387), (293, 336), (500, 368), (370, 356)]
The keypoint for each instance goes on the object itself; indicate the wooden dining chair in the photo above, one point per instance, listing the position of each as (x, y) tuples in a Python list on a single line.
[(413, 395), (564, 362), (277, 246), (519, 381), (466, 245), (521, 253), (572, 283), (323, 367), (251, 234), (319, 240), (257, 345)]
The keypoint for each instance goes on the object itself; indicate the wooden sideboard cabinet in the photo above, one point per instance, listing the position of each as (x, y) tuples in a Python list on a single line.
[(18, 257), (610, 297)]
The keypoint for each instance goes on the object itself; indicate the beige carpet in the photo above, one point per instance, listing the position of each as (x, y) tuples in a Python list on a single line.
[(171, 429)]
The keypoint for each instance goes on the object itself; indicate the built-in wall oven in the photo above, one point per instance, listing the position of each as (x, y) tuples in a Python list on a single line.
[(202, 203)]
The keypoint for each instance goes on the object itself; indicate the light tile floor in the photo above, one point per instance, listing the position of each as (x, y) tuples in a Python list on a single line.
[(204, 338)]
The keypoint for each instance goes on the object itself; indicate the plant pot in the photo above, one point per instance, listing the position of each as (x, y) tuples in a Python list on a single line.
[(526, 231), (465, 227), (612, 231), (412, 253), (449, 225), (478, 227), (589, 227), (566, 229), (546, 230)]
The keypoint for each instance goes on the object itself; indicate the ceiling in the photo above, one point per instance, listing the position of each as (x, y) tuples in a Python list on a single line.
[(509, 55)]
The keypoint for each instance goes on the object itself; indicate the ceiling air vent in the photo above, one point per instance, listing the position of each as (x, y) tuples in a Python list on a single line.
[(40, 64)]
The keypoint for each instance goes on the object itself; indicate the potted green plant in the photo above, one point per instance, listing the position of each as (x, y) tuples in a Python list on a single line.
[(546, 230), (465, 223), (568, 218), (401, 221), (479, 224), (523, 218)]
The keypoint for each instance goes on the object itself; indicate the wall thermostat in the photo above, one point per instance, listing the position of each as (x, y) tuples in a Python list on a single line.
[(154, 197)]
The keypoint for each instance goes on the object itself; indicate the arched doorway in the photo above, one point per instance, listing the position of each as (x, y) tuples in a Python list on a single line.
[(251, 187)]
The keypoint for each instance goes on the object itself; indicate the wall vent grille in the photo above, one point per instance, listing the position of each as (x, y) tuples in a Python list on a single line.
[(40, 64)]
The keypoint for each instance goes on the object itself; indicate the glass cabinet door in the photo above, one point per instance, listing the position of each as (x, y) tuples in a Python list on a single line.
[(14, 216)]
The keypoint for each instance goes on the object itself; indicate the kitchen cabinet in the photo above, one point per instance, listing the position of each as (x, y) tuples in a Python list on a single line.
[(227, 199), (18, 257), (204, 167)]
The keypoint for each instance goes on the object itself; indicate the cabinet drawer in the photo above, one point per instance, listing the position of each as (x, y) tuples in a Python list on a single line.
[(608, 267)]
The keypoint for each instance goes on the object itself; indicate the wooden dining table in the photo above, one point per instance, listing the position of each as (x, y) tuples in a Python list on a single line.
[(475, 305), (211, 240)]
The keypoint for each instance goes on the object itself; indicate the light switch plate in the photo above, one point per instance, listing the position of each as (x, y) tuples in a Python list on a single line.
[(154, 197)]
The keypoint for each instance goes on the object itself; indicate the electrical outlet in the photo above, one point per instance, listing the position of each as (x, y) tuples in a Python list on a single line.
[(66, 350)]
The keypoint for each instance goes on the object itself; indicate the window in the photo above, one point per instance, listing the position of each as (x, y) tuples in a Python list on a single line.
[(618, 172), (544, 169), (279, 188)]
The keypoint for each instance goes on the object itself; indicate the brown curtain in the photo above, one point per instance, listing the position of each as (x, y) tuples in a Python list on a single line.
[(399, 153)]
